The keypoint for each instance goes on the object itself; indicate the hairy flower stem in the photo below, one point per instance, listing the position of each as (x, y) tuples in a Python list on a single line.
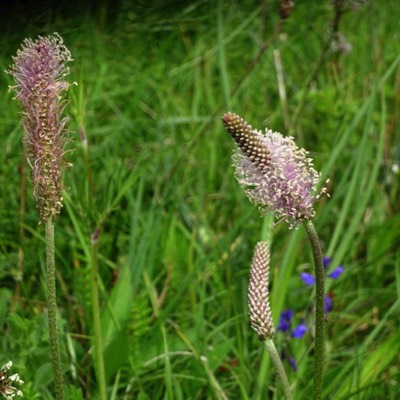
[(319, 310), (101, 376), (280, 371), (52, 310)]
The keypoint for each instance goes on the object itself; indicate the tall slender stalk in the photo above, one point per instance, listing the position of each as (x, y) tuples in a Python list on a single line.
[(280, 371), (319, 310), (39, 70), (100, 371), (52, 310)]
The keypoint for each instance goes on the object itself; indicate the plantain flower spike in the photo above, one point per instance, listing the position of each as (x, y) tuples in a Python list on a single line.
[(276, 175), (258, 295), (39, 70)]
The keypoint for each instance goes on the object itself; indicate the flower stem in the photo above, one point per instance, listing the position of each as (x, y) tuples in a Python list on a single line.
[(101, 376), (319, 310), (52, 310), (276, 360)]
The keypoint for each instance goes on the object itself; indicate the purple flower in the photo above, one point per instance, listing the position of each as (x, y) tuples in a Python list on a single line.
[(276, 175), (336, 272), (326, 261), (307, 278), (299, 331), (293, 363), (285, 320), (328, 304), (39, 70), (291, 360)]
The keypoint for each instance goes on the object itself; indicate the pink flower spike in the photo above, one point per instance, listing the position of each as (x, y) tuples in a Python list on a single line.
[(276, 175), (39, 70)]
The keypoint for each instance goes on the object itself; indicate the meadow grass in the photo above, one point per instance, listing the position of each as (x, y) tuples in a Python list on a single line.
[(176, 231)]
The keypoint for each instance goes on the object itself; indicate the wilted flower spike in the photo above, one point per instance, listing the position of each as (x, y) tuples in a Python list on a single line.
[(276, 175), (7, 381), (258, 295), (39, 70)]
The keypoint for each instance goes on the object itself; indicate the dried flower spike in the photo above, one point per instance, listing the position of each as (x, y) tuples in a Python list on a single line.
[(7, 381), (39, 70), (258, 295), (276, 175)]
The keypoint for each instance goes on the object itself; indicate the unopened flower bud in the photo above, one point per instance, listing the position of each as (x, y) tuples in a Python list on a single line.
[(258, 294)]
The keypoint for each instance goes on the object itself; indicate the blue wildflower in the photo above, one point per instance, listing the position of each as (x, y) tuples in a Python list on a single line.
[(293, 363), (291, 360), (285, 320), (299, 331), (326, 261), (336, 272), (307, 278), (328, 304)]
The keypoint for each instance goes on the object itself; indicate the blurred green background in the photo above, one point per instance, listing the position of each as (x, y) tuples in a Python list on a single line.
[(152, 175)]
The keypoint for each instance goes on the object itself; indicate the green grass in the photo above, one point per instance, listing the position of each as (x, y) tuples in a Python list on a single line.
[(176, 230)]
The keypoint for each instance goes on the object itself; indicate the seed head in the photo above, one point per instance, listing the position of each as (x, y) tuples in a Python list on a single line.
[(276, 175), (258, 295), (39, 70)]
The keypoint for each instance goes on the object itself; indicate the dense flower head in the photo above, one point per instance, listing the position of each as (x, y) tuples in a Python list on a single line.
[(276, 175), (7, 381), (258, 295), (39, 70)]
